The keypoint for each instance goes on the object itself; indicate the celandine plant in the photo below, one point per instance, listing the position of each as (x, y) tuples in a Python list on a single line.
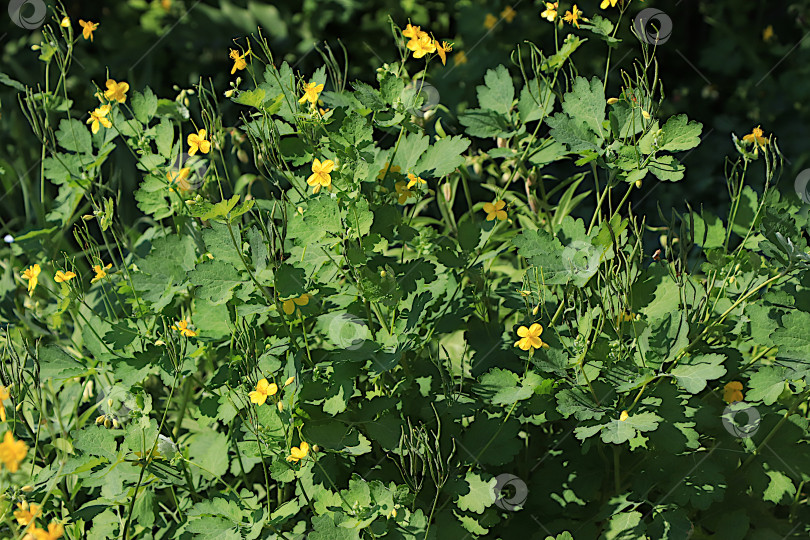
[(318, 327)]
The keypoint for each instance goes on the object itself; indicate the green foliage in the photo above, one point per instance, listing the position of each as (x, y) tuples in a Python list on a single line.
[(383, 324)]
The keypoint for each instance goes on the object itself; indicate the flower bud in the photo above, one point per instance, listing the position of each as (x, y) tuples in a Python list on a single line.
[(107, 423), (612, 100), (99, 419), (645, 114)]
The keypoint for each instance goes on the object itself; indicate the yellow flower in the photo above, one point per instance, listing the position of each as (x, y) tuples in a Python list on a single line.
[(490, 21), (412, 31), (65, 22), (4, 395), (443, 49), (311, 91), (732, 392), (62, 277), (320, 174), (509, 14), (88, 27), (289, 305), (101, 272), (606, 3), (263, 390), (238, 60), (27, 513), (99, 117), (197, 141), (116, 91), (757, 136), (414, 180), (624, 416), (551, 11), (12, 452), (573, 16), (495, 210), (624, 317), (180, 178), (54, 532), (421, 46), (298, 452), (387, 167), (289, 381), (403, 192), (460, 58), (32, 275), (768, 33), (182, 327), (530, 338)]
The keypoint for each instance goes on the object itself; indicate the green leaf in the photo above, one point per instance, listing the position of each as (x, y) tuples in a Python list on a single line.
[(251, 98), (586, 103), (484, 123), (411, 148), (215, 281), (443, 157), (144, 105), (767, 384), (480, 493), (780, 488), (96, 441), (679, 134), (320, 217), (692, 375), (667, 168), (209, 450), (498, 93), (536, 101), (74, 136), (164, 136)]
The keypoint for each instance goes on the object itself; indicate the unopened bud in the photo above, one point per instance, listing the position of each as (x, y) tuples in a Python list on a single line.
[(316, 448), (638, 183), (612, 100), (28, 489), (107, 423), (280, 407), (536, 309), (88, 217), (645, 114), (115, 423), (100, 419)]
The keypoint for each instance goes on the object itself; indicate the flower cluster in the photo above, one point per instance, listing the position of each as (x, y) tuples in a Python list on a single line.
[(31, 275), (420, 43)]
